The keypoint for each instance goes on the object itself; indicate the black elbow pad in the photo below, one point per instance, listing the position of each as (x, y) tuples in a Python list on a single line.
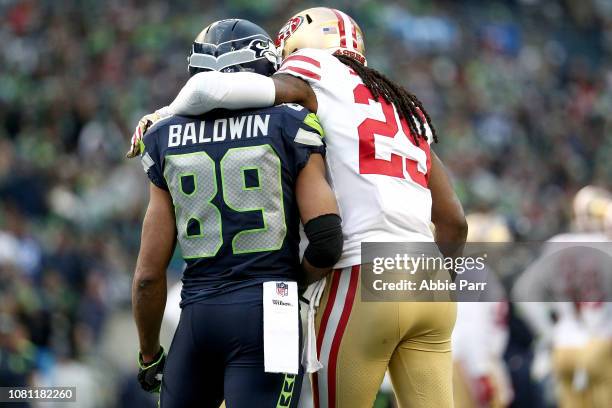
[(324, 240)]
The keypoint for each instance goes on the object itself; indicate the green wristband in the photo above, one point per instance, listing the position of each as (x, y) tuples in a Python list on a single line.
[(156, 360)]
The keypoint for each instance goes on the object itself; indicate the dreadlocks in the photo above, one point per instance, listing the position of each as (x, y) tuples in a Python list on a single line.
[(408, 106)]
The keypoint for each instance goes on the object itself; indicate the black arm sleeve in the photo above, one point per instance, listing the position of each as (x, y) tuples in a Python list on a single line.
[(325, 240)]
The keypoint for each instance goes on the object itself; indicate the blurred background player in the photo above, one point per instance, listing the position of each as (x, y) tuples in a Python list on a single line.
[(229, 187), (480, 336), (324, 70), (574, 338)]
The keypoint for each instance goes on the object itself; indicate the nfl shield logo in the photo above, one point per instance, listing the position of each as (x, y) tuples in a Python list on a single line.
[(282, 289)]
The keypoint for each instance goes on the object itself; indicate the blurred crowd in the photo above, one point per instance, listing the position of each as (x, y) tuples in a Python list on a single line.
[(520, 92)]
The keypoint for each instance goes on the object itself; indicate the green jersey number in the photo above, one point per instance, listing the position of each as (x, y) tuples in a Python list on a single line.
[(193, 184)]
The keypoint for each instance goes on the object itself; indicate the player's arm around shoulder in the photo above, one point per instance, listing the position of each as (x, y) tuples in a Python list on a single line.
[(297, 75), (291, 89), (210, 90)]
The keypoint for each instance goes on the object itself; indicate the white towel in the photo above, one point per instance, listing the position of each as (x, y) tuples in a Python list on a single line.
[(281, 327), (310, 360)]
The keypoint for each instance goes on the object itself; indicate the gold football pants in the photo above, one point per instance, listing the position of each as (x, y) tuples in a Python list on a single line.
[(358, 341), (595, 360)]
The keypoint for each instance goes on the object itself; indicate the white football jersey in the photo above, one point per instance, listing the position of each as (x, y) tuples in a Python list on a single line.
[(380, 176)]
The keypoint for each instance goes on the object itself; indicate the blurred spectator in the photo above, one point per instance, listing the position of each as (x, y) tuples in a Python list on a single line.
[(16, 353), (519, 90)]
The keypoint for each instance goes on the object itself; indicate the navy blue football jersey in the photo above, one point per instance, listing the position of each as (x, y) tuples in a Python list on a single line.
[(231, 175)]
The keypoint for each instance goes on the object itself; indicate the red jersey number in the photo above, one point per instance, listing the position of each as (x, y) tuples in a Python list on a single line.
[(368, 163)]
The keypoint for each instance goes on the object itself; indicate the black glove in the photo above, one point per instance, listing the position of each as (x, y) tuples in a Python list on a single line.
[(150, 375)]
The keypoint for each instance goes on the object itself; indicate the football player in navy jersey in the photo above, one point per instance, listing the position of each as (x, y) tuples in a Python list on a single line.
[(231, 188)]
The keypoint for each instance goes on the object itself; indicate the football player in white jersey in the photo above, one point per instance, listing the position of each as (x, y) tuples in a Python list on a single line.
[(390, 187), (577, 345)]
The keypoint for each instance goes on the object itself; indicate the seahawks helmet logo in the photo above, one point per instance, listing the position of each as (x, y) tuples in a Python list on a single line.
[(265, 49), (256, 49)]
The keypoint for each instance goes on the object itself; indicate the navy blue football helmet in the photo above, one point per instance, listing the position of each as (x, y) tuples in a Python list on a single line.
[(233, 45)]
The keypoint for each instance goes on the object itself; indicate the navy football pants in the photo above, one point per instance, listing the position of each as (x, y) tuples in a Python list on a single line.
[(217, 354)]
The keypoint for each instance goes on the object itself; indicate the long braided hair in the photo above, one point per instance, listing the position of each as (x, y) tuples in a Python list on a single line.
[(408, 106)]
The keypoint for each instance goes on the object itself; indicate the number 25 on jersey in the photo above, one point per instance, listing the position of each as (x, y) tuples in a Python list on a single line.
[(393, 153)]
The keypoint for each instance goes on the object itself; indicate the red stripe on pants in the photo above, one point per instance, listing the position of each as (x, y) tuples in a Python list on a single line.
[(333, 354), (324, 319)]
